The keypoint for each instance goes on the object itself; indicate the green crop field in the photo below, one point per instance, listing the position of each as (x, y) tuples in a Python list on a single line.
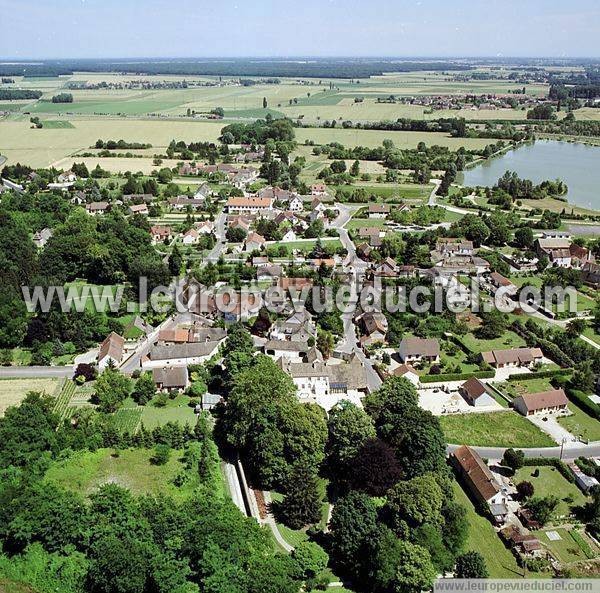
[(373, 138), (57, 124)]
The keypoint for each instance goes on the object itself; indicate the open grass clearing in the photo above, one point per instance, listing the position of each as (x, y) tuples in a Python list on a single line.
[(494, 429), (13, 391), (508, 339), (86, 471), (176, 410)]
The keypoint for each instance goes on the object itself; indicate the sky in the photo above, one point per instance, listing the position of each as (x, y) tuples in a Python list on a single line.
[(280, 28)]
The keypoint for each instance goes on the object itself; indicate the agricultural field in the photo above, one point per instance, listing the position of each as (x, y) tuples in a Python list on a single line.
[(13, 391), (40, 148), (373, 138), (494, 429), (85, 471), (118, 165)]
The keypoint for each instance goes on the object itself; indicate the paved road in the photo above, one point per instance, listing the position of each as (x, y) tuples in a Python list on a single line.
[(270, 521), (569, 452), (219, 247), (358, 267), (41, 372)]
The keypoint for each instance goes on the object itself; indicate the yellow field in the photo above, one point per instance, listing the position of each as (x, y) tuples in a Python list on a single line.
[(13, 391), (117, 165), (40, 148)]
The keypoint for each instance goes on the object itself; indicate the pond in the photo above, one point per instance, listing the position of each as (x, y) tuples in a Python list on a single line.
[(578, 165)]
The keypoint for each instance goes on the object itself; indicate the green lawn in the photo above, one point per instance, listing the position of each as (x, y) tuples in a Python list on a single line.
[(85, 471), (567, 549), (592, 335), (501, 564), (551, 482), (494, 429), (508, 339), (581, 424), (515, 388), (176, 410)]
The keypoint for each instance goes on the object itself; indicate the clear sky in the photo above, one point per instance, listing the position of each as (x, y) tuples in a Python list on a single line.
[(200, 28)]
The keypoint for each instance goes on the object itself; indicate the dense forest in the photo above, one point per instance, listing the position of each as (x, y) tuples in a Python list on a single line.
[(316, 67)]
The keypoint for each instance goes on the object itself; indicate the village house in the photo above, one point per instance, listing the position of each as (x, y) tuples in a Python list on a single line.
[(318, 189), (480, 481), (544, 402), (141, 209), (558, 251), (254, 242), (476, 393), (298, 327), (190, 237), (42, 237), (413, 349), (245, 306), (498, 281), (289, 235), (316, 380), (379, 210), (96, 208), (177, 355), (294, 350), (451, 246), (239, 222), (513, 357), (67, 177), (111, 351), (584, 482), (590, 274), (269, 272), (294, 283), (408, 372), (580, 256), (204, 227), (160, 234), (182, 203), (171, 379), (203, 192), (374, 327), (388, 268), (525, 544), (249, 205)]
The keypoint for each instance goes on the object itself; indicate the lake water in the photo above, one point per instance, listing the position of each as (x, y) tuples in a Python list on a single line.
[(578, 165)]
